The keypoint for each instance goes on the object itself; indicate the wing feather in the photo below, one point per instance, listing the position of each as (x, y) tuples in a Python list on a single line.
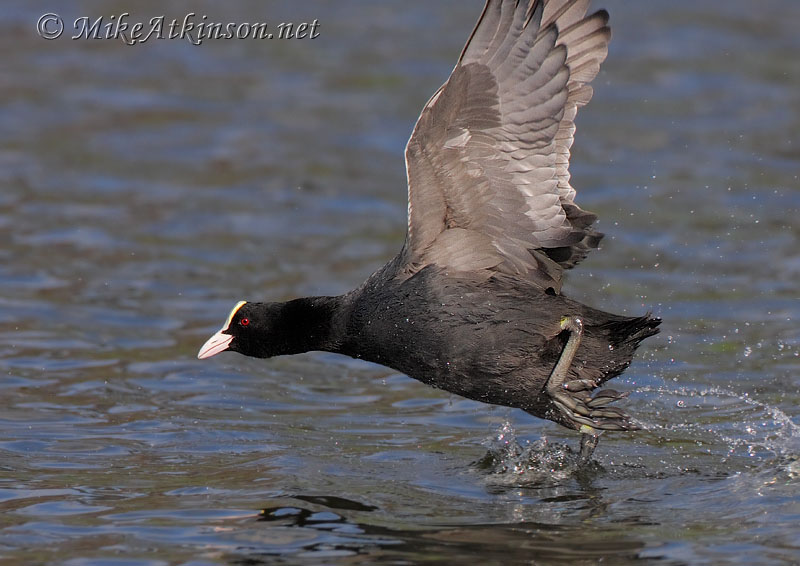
[(488, 161)]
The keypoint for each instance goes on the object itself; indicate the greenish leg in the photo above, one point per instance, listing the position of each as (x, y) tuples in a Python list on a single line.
[(589, 438), (590, 415), (559, 374), (570, 403)]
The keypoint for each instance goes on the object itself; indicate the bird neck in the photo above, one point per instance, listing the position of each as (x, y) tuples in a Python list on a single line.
[(314, 323)]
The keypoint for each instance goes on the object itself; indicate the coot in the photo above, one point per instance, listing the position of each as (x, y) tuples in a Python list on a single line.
[(472, 304)]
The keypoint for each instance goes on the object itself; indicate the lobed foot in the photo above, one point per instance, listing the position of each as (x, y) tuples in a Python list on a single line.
[(585, 410), (589, 414)]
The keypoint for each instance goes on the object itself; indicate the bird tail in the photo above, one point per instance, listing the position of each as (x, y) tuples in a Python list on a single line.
[(627, 331), (621, 335)]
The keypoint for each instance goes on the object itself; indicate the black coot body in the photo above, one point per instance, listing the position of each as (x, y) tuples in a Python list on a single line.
[(495, 340), (472, 304)]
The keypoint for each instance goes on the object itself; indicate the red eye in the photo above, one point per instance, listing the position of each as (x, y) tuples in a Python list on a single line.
[(244, 321)]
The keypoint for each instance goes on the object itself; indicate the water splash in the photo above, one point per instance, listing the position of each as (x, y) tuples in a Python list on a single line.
[(511, 462), (749, 429)]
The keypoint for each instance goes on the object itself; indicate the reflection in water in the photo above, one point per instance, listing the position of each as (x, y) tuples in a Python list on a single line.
[(327, 535)]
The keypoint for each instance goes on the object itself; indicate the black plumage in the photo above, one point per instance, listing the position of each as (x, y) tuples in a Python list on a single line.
[(472, 304)]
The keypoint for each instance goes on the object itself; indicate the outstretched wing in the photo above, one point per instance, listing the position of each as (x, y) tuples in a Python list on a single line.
[(487, 163)]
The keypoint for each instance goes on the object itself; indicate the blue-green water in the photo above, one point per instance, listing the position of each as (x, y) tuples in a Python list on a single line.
[(145, 189)]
